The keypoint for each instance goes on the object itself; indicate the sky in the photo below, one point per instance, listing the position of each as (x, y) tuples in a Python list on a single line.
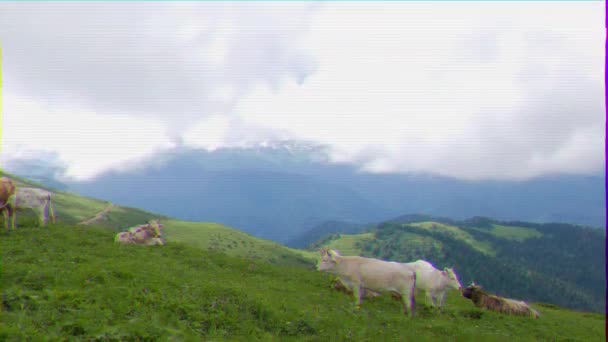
[(470, 90)]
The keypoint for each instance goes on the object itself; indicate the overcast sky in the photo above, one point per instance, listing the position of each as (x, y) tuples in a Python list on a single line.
[(496, 90)]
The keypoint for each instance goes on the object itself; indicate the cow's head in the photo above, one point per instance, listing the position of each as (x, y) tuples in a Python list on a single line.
[(155, 228), (468, 291), (453, 281), (328, 259)]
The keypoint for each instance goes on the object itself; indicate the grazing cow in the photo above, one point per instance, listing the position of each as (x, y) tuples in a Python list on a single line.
[(481, 299), (7, 191), (361, 274), (434, 282), (146, 234), (38, 199)]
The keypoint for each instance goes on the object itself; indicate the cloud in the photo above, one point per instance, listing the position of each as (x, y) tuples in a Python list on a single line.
[(135, 70), (177, 62), (469, 90), (86, 142), (510, 91)]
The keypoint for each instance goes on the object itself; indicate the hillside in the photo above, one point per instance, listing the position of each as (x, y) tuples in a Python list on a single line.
[(73, 282), (216, 237), (72, 208), (555, 263)]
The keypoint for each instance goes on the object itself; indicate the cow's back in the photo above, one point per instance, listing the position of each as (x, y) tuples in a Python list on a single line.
[(32, 197), (381, 276), (427, 276)]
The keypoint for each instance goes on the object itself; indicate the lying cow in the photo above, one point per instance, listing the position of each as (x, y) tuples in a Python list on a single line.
[(7, 191), (38, 199), (362, 274), (481, 299), (149, 234), (434, 282)]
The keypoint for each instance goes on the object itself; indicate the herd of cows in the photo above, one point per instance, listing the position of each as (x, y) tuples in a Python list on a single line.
[(363, 277), (368, 277)]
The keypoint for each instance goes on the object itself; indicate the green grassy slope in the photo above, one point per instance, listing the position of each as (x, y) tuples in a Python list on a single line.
[(216, 237), (67, 282), (72, 209)]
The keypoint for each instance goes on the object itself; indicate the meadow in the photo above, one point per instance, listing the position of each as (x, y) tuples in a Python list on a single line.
[(71, 282)]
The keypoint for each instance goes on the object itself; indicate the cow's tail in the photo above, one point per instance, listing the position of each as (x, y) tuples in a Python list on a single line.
[(413, 293)]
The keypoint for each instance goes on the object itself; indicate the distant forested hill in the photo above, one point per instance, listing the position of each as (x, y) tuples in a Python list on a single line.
[(555, 263)]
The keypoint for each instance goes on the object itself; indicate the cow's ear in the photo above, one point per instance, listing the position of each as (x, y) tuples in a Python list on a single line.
[(333, 254)]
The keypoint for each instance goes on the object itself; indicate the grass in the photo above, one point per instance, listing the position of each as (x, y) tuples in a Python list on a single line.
[(514, 233), (458, 234), (216, 237), (67, 282)]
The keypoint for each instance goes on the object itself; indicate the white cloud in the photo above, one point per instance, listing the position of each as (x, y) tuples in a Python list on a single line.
[(86, 142), (473, 90), (507, 91)]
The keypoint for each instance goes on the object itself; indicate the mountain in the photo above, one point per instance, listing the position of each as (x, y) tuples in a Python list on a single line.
[(556, 263), (279, 190)]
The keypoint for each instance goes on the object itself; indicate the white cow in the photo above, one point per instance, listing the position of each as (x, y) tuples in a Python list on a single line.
[(38, 199), (435, 282), (149, 234), (361, 274)]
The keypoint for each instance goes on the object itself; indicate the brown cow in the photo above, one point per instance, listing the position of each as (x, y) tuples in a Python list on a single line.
[(7, 190), (481, 299)]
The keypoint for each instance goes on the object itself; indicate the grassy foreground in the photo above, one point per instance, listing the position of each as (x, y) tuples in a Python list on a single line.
[(73, 283)]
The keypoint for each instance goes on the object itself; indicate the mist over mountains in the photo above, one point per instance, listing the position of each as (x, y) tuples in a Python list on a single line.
[(280, 190)]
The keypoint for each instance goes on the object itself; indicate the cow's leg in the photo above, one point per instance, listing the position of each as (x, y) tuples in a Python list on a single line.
[(408, 300), (3, 211), (45, 213), (357, 292), (13, 213), (442, 299), (430, 297), (52, 210)]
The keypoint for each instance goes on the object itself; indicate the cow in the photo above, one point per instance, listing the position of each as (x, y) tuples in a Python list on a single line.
[(483, 300), (7, 192), (436, 283), (361, 274), (39, 200), (149, 234)]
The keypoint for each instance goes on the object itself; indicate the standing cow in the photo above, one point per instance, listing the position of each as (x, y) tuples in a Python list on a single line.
[(434, 282), (7, 191), (39, 200), (362, 274)]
